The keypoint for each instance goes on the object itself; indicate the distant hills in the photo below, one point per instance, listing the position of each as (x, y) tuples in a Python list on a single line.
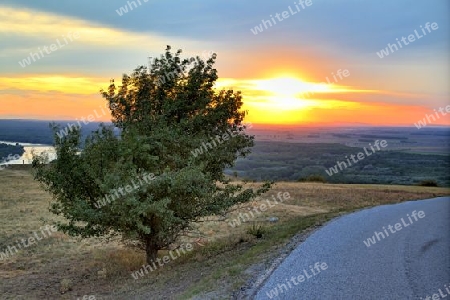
[(35, 131), (295, 152)]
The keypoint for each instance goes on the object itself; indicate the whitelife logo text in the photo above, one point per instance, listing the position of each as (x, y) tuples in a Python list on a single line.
[(411, 38), (360, 156), (397, 226), (48, 50)]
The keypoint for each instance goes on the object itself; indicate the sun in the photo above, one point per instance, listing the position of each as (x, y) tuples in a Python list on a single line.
[(283, 99), (289, 93), (284, 86)]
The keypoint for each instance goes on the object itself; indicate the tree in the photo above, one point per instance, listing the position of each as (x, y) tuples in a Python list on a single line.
[(160, 125)]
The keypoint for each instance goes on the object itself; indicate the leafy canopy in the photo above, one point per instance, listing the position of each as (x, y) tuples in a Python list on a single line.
[(160, 116)]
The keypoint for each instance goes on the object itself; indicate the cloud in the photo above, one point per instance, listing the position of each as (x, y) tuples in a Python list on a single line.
[(54, 83), (48, 26), (327, 36), (26, 30)]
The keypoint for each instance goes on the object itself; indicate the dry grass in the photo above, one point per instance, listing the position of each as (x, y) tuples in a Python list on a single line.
[(62, 267), (344, 196)]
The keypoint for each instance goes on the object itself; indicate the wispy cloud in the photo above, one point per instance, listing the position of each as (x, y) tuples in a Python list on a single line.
[(54, 83)]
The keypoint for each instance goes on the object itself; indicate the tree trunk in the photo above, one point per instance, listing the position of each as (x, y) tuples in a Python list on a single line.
[(151, 249)]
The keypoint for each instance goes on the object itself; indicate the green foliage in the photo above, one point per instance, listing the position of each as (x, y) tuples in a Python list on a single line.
[(161, 122)]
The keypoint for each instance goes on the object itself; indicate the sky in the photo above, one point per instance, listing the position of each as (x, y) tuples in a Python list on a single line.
[(315, 62)]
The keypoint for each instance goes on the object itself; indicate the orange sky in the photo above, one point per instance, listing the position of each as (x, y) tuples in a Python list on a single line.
[(284, 100), (57, 97)]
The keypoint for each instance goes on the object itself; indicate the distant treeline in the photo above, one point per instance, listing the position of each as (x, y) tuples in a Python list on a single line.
[(297, 161), (382, 137), (6, 150)]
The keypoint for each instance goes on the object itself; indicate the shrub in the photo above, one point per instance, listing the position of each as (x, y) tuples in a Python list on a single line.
[(256, 230), (313, 178), (428, 182)]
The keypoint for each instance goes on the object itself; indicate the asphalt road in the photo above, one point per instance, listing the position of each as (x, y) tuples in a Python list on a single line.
[(408, 263)]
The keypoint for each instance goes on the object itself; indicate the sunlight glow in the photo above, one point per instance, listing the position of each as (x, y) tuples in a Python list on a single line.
[(283, 86), (289, 93)]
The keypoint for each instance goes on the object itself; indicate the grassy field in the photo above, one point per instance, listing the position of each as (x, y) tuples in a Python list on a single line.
[(224, 258)]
